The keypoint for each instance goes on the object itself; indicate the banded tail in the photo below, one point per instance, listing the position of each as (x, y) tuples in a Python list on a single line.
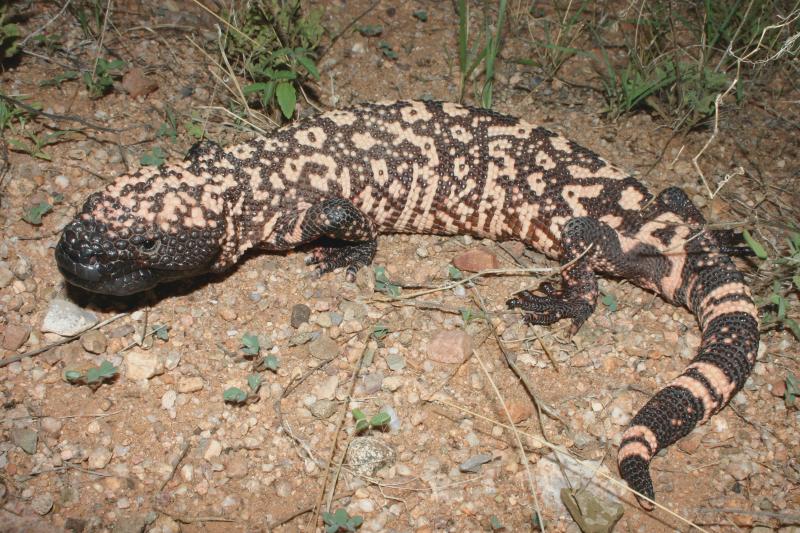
[(714, 290)]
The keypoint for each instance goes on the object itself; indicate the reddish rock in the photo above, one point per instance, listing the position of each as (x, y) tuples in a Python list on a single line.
[(136, 83), (476, 260), (519, 409), (451, 347), (779, 388), (15, 336)]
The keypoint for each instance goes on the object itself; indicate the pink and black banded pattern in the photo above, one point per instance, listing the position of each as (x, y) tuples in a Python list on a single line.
[(435, 168)]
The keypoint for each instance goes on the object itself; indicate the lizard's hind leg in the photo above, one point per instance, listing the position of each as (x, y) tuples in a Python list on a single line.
[(587, 246)]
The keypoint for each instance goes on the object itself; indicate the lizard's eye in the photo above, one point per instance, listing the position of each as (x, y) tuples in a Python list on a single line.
[(150, 245)]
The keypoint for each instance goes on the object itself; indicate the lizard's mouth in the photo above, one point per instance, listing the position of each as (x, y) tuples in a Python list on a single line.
[(92, 275)]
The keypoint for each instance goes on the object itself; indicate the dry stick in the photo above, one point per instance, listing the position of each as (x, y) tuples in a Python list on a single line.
[(102, 38), (342, 418), (64, 118), (521, 448), (174, 464), (8, 360), (561, 450), (300, 512)]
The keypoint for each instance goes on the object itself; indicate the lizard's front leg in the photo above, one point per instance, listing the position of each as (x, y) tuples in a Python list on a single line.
[(336, 218)]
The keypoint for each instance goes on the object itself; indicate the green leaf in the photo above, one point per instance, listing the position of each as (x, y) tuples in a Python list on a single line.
[(792, 390), (387, 50), (254, 88), (56, 81), (234, 395), (72, 375), (421, 15), (35, 213), (793, 326), (107, 369), (250, 344), (454, 273), (161, 332), (754, 245), (254, 382), (271, 363), (380, 420), (283, 75), (610, 301), (495, 523), (466, 314), (355, 522), (796, 281), (358, 414), (287, 98), (195, 130), (370, 30), (155, 157), (379, 331), (309, 65), (340, 516)]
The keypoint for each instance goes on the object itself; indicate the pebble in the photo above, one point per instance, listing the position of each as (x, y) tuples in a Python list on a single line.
[(142, 365), (476, 260), (15, 336), (6, 276), (187, 472), (322, 408), (94, 341), (66, 319), (22, 268), (395, 361), (26, 439), (300, 315), (237, 467), (474, 463), (518, 409), (226, 313), (42, 504), (450, 346), (367, 455), (190, 384), (373, 382), (213, 450), (392, 383), (99, 458), (283, 489), (323, 347), (168, 399), (51, 425), (327, 389)]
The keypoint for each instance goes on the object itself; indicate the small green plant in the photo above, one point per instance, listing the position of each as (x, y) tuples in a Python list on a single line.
[(783, 277), (680, 57), (560, 34), (340, 521), (35, 143), (250, 344), (169, 128), (90, 14), (379, 331), (100, 81), (273, 44), (57, 80), (610, 301), (33, 215), (363, 422), (484, 50), (269, 362), (792, 390), (9, 35), (155, 157), (383, 284), (454, 273), (93, 377), (237, 396)]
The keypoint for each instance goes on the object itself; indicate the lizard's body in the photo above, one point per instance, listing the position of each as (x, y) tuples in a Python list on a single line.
[(439, 169)]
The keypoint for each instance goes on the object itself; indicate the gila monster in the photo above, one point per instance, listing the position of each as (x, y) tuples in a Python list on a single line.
[(436, 168)]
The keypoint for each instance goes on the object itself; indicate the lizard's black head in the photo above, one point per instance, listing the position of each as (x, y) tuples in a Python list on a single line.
[(132, 237)]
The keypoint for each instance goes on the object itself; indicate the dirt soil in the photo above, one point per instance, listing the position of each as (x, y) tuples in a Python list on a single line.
[(165, 453)]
